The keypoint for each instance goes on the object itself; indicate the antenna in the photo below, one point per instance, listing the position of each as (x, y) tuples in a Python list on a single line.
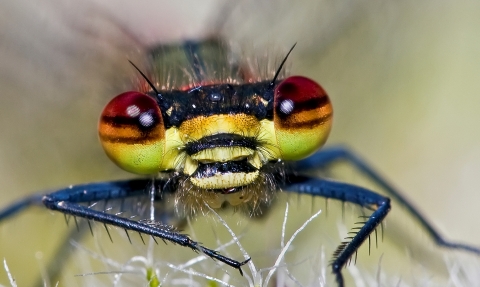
[(281, 66), (145, 77)]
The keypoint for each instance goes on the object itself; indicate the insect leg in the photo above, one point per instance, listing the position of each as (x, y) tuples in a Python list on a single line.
[(346, 193), (67, 201), (339, 153), (20, 205), (55, 267)]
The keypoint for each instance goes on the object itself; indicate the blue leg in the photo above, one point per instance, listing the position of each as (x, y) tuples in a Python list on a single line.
[(340, 153), (349, 193), (67, 201), (20, 205)]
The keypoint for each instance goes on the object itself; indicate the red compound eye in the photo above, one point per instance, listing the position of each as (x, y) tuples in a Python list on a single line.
[(302, 117), (132, 133)]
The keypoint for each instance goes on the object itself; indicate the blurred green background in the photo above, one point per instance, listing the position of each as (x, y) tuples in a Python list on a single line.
[(403, 78)]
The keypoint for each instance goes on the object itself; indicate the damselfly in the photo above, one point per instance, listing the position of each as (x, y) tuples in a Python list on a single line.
[(197, 66), (224, 137)]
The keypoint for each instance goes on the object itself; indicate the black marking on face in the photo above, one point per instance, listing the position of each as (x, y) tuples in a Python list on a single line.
[(206, 170), (218, 99), (220, 140)]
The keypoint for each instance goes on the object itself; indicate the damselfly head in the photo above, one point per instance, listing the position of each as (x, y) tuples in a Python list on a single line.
[(219, 139)]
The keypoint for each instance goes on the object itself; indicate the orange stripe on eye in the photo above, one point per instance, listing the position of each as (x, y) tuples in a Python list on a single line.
[(132, 133), (130, 140), (304, 120), (129, 134)]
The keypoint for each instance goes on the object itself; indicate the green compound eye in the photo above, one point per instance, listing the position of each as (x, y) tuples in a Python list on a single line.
[(302, 117), (132, 133)]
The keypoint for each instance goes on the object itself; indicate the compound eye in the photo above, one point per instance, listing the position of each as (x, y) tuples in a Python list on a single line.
[(132, 133), (302, 117)]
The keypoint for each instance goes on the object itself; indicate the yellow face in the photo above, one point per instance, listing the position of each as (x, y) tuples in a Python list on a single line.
[(221, 140)]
